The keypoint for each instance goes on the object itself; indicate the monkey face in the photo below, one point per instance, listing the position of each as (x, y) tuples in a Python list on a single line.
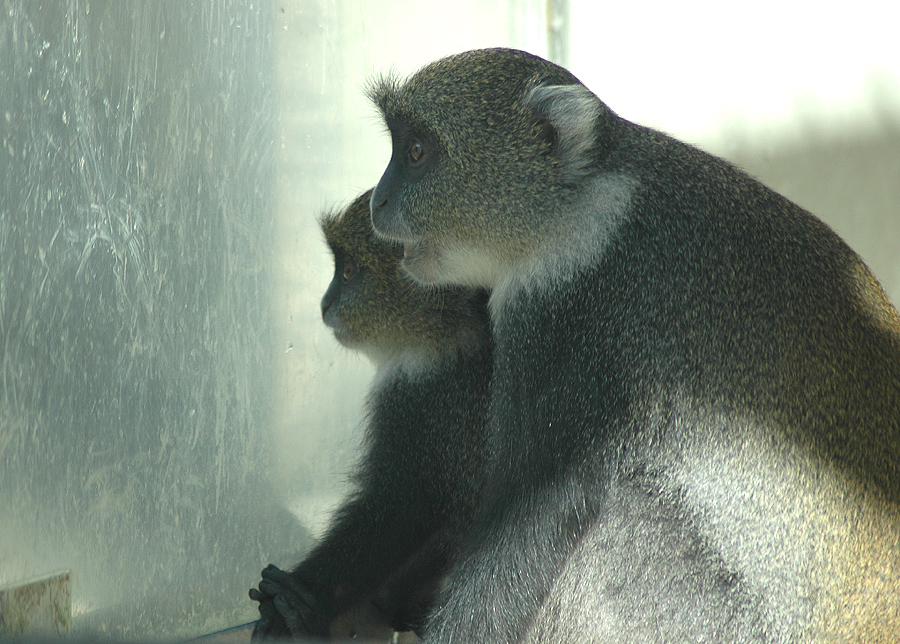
[(396, 212)]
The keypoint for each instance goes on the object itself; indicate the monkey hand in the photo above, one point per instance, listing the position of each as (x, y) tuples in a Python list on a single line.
[(288, 608), (270, 624)]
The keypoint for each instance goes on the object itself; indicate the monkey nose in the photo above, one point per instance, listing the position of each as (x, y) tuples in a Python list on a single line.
[(377, 202), (327, 301)]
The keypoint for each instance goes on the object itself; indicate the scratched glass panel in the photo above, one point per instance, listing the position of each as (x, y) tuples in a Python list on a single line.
[(136, 215)]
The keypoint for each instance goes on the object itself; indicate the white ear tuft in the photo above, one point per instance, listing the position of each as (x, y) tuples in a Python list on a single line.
[(572, 111)]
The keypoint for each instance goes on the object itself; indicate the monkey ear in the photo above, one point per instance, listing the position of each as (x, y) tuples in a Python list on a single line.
[(572, 111)]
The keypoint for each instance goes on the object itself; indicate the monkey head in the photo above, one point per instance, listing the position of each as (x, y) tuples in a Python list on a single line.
[(481, 142), (373, 306)]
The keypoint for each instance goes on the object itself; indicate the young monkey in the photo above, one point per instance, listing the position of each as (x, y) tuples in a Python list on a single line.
[(395, 537)]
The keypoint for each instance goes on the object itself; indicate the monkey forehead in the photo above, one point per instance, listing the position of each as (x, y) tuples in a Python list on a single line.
[(351, 232), (351, 220), (484, 84)]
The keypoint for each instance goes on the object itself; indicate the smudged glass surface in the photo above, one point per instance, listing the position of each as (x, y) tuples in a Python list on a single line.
[(136, 215)]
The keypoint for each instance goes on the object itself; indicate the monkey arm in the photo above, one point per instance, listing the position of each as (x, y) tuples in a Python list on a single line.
[(373, 535), (350, 564), (409, 594), (416, 483), (506, 570), (403, 601), (546, 484)]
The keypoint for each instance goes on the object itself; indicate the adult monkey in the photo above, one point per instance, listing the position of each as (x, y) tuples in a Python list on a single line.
[(695, 416), (393, 540)]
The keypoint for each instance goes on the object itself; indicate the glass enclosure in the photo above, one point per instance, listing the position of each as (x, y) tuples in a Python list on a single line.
[(173, 413), (136, 222)]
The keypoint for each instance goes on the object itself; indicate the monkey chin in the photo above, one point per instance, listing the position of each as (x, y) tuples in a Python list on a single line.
[(347, 338), (422, 262), (432, 264)]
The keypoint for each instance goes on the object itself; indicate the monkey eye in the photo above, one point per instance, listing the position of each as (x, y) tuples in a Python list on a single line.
[(350, 269), (416, 151)]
